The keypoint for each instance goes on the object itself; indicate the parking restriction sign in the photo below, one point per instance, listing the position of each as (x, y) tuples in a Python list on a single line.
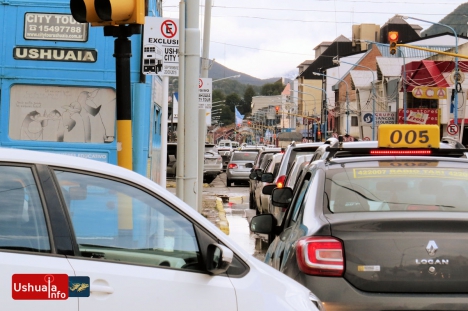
[(161, 46), (452, 129)]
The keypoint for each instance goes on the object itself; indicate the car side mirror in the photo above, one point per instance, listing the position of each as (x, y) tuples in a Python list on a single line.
[(268, 189), (267, 177), (259, 172), (249, 165), (281, 197), (265, 224), (218, 258)]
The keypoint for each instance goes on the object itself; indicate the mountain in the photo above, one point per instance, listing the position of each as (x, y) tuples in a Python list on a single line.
[(219, 71), (457, 20)]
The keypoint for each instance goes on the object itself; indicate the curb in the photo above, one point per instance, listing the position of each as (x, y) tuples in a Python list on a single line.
[(236, 200), (223, 223)]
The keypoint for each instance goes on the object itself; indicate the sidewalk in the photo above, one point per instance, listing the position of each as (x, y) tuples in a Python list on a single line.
[(213, 204)]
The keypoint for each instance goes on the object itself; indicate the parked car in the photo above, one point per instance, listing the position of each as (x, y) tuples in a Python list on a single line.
[(270, 170), (291, 179), (377, 228), (292, 151), (225, 149), (253, 178), (171, 170), (236, 170), (213, 164), (73, 227)]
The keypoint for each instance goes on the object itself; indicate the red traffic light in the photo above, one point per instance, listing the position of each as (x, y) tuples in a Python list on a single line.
[(392, 36), (277, 108), (393, 41)]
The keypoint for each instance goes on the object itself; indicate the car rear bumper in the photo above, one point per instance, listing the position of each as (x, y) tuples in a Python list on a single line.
[(238, 175), (338, 294)]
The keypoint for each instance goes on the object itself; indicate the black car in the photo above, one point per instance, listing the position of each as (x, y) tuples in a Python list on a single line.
[(382, 228)]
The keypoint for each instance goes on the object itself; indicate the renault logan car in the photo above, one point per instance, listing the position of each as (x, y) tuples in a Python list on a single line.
[(377, 228), (95, 236)]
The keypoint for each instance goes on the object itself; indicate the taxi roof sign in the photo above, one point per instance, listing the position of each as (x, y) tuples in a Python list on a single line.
[(408, 136)]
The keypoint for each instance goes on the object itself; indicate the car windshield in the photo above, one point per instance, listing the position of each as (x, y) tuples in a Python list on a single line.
[(422, 186), (244, 156)]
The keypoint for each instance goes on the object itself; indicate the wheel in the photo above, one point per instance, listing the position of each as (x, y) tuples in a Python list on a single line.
[(228, 182), (252, 202)]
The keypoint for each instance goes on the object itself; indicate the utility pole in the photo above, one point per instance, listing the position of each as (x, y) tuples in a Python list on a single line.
[(190, 104), (202, 111)]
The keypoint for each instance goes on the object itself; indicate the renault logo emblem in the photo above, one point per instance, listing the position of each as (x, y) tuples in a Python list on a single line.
[(431, 248)]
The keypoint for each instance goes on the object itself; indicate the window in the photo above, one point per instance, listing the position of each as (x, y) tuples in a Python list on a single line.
[(117, 222), (354, 121), (22, 221), (413, 187)]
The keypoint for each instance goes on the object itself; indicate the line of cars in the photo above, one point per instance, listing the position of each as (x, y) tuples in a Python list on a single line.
[(212, 167), (128, 242), (378, 225)]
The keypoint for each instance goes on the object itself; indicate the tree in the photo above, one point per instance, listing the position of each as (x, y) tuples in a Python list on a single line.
[(218, 95), (270, 89), (233, 100), (248, 94), (227, 116)]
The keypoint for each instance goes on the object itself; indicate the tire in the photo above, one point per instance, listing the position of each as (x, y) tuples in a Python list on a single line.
[(228, 183), (252, 202)]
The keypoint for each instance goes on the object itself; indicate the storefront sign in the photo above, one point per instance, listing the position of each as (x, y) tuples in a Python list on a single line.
[(54, 27), (55, 54), (419, 116)]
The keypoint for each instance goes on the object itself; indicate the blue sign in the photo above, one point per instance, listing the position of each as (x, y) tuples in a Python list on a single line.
[(368, 117), (78, 286)]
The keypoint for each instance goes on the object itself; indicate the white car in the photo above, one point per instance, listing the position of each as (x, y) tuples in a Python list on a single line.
[(100, 237)]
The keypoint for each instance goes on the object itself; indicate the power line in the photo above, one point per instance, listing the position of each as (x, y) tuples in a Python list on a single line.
[(251, 48)]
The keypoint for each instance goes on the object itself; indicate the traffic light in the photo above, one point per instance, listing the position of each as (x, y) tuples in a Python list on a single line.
[(108, 12), (393, 40), (277, 110)]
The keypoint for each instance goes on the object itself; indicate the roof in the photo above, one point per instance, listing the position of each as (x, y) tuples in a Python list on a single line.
[(340, 47), (363, 78)]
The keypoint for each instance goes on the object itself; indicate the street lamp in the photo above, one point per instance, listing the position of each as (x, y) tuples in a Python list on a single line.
[(347, 99), (326, 108), (338, 61), (456, 76), (231, 77)]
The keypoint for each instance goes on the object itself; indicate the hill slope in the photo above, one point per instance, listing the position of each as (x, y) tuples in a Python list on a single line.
[(457, 20), (219, 71)]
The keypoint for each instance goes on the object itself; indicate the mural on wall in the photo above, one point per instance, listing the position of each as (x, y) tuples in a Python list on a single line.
[(62, 114)]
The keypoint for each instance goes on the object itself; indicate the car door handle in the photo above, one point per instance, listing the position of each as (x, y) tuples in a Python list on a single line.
[(101, 289)]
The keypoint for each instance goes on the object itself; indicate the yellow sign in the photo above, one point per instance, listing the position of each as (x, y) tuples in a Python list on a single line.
[(408, 136), (406, 164), (409, 173), (430, 92)]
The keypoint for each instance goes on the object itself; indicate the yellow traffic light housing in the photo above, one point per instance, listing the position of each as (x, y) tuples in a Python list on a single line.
[(108, 12), (393, 41)]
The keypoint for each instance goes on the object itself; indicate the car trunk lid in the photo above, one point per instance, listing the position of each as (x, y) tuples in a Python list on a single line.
[(406, 254)]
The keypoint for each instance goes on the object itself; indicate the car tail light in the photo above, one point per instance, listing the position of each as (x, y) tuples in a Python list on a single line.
[(320, 255), (401, 152), (232, 165), (280, 181)]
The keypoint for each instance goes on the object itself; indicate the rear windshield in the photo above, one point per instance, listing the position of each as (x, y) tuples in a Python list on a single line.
[(244, 156), (418, 186)]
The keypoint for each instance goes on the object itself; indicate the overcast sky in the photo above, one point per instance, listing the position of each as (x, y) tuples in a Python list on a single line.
[(270, 38)]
